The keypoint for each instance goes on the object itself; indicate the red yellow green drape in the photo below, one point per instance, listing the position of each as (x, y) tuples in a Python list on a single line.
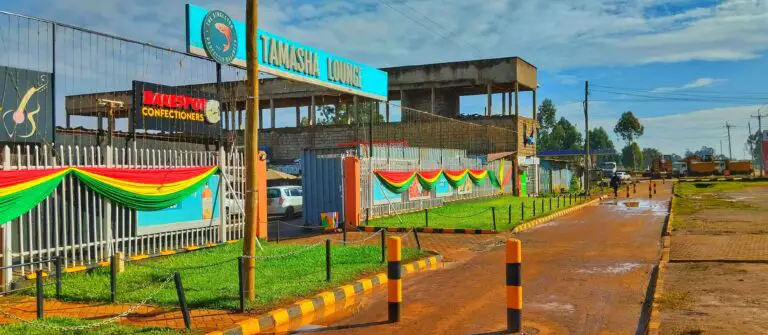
[(399, 181), (143, 189)]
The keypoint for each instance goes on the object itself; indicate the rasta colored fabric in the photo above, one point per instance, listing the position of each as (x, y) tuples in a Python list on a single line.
[(145, 189), (494, 180), (142, 189), (428, 179), (456, 178), (395, 181), (477, 176), (22, 190)]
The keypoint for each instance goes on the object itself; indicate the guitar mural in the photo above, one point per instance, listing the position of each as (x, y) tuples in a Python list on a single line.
[(25, 106)]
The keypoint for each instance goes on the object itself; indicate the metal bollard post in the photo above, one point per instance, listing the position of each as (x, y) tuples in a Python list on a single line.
[(278, 232), (367, 215), (426, 217), (634, 187), (650, 190), (542, 205), (39, 293), (534, 207), (509, 215), (627, 191), (394, 275), (383, 245), (493, 214), (514, 286), (522, 211), (328, 260), (654, 188), (57, 265), (418, 243), (112, 278), (182, 300), (241, 281), (550, 204)]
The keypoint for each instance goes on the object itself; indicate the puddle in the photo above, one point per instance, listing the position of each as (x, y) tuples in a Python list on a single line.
[(632, 204), (555, 306), (612, 269)]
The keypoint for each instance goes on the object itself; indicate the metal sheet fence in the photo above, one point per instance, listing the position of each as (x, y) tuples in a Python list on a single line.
[(78, 224)]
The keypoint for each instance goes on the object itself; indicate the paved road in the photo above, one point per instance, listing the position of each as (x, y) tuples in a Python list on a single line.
[(585, 273)]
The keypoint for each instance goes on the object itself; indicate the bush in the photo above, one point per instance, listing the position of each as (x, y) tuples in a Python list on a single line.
[(574, 186)]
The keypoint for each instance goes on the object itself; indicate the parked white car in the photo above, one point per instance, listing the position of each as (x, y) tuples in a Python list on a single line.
[(624, 176), (287, 201)]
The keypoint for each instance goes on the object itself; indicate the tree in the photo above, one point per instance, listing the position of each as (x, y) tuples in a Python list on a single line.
[(628, 127), (598, 139), (649, 154), (675, 157), (630, 155), (563, 136), (327, 115), (547, 115)]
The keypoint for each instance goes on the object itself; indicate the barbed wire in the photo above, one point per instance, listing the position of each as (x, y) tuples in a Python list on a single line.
[(181, 268), (374, 234), (129, 311), (461, 216), (287, 254)]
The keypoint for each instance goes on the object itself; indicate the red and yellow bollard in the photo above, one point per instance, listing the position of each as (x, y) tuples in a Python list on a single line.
[(634, 187), (654, 187), (514, 286), (394, 276), (650, 189), (627, 191)]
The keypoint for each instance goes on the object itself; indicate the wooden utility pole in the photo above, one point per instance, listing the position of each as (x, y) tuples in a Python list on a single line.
[(760, 140), (728, 126), (587, 163), (251, 147)]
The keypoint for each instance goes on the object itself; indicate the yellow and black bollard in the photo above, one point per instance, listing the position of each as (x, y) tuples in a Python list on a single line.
[(650, 189), (627, 191), (514, 286), (654, 187), (634, 187), (394, 276)]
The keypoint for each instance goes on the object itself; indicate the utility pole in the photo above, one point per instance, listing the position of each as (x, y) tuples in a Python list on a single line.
[(760, 140), (587, 163), (751, 148), (730, 152), (721, 147), (251, 147)]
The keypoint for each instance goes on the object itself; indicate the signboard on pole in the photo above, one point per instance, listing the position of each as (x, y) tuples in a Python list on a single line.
[(174, 109), (213, 34), (26, 106)]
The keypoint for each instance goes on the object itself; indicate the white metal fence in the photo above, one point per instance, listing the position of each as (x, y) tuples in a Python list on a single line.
[(82, 227)]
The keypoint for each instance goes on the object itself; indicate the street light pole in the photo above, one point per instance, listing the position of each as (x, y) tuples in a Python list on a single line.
[(251, 147)]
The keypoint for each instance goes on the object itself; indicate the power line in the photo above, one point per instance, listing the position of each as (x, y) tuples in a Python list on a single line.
[(683, 98), (651, 90)]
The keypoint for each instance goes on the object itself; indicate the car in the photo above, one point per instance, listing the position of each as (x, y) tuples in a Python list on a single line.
[(287, 201), (624, 176), (233, 204)]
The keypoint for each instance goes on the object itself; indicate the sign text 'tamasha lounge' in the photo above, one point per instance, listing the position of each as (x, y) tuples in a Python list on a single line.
[(296, 58)]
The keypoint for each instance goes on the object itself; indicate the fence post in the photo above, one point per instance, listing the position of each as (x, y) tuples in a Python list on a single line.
[(223, 196), (182, 300), (57, 266), (542, 205), (394, 275), (416, 235), (534, 207), (509, 215), (514, 286), (344, 232), (278, 232), (383, 245), (39, 293), (241, 281), (328, 260), (426, 217), (550, 204), (493, 214), (6, 230), (522, 211), (112, 278)]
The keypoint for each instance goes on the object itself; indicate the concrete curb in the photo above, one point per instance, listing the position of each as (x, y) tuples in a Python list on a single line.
[(305, 307), (430, 230), (691, 180), (654, 322), (544, 219)]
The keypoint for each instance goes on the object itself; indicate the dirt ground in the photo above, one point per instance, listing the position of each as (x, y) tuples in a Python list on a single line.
[(715, 298), (731, 212), (585, 273)]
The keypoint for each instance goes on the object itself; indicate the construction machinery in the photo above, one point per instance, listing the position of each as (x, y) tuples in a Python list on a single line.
[(661, 168)]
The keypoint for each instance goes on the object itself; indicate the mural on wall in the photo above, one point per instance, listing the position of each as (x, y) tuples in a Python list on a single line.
[(467, 188), (198, 209), (416, 192), (25, 106), (381, 195), (443, 189)]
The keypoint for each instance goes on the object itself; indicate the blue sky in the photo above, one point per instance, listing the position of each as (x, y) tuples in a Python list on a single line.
[(684, 67)]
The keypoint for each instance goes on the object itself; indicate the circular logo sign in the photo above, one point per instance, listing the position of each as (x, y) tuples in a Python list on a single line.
[(212, 112), (219, 37)]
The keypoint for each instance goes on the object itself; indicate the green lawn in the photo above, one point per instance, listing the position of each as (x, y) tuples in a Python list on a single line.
[(278, 280), (109, 329), (477, 214)]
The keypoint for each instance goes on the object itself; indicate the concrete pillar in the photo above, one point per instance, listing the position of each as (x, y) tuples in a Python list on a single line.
[(386, 109), (311, 113), (272, 112), (534, 104), (261, 119), (356, 107), (298, 115), (337, 107), (490, 100), (503, 103), (432, 103), (517, 93)]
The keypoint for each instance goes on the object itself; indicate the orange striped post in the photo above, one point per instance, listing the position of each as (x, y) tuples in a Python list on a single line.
[(627, 191), (650, 189), (654, 187), (514, 286), (394, 276)]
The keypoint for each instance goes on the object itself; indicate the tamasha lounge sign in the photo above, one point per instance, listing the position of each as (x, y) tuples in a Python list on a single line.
[(174, 109), (214, 34)]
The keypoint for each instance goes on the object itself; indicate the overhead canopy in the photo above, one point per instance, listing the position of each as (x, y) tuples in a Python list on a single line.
[(279, 175), (575, 152)]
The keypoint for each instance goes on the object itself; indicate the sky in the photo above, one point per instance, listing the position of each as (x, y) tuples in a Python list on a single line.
[(683, 67)]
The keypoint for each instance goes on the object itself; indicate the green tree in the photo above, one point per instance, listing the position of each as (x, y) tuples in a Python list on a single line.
[(649, 154), (563, 136), (598, 139), (628, 127), (547, 115), (327, 115), (630, 155)]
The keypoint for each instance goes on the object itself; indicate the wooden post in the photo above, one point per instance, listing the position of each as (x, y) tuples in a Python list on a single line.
[(251, 147)]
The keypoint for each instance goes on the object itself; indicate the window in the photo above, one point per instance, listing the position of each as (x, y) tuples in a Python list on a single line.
[(295, 192), (273, 193)]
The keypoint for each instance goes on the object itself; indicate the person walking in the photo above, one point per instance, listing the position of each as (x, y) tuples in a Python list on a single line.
[(615, 183)]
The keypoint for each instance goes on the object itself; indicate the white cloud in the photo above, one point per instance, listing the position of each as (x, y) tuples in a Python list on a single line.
[(698, 83)]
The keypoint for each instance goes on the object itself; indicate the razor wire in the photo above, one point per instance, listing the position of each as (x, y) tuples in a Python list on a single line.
[(129, 311)]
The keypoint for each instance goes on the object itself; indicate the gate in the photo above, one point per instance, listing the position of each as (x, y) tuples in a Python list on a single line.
[(322, 180)]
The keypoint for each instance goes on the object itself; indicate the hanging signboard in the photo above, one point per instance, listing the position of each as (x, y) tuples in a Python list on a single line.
[(214, 34), (174, 109), (26, 106)]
